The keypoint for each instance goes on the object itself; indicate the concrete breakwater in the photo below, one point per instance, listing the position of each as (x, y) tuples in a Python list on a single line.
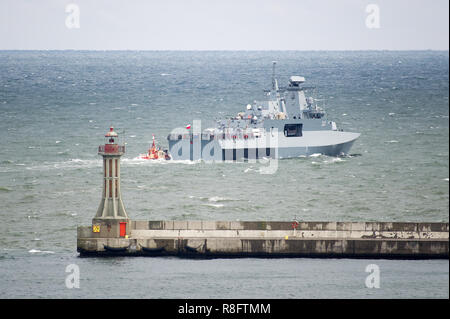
[(206, 239), (114, 233)]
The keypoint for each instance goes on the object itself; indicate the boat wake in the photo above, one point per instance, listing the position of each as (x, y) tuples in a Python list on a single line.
[(160, 161)]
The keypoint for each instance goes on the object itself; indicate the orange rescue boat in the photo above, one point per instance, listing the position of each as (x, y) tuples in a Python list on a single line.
[(155, 152)]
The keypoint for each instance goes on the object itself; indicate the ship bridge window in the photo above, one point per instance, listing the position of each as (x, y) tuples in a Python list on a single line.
[(291, 130)]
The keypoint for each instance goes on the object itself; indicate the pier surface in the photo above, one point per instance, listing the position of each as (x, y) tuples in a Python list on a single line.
[(208, 239)]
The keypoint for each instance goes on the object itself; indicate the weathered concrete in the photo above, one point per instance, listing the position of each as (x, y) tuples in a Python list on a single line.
[(270, 239)]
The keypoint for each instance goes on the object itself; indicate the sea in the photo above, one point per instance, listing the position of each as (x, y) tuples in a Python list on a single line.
[(56, 106)]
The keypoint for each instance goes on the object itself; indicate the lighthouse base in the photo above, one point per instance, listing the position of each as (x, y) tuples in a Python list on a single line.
[(110, 228)]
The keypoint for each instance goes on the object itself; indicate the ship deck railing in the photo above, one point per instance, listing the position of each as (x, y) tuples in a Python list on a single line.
[(210, 137)]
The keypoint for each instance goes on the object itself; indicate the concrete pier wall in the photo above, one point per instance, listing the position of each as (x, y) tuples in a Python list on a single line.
[(273, 239)]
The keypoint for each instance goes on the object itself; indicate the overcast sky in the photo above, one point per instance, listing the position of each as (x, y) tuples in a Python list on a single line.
[(224, 25)]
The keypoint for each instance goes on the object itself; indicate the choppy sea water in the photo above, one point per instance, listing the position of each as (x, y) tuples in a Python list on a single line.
[(56, 106)]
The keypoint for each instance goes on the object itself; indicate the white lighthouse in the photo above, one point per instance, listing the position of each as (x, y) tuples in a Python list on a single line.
[(111, 211)]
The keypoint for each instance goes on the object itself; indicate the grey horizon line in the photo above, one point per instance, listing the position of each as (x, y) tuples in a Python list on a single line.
[(236, 50)]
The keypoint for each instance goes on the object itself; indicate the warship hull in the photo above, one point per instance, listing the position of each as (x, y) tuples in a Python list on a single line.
[(195, 148)]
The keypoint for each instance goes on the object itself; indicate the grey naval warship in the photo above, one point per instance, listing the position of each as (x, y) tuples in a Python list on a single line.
[(288, 124)]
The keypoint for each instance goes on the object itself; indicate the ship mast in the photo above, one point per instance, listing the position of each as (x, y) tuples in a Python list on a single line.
[(274, 81), (275, 89)]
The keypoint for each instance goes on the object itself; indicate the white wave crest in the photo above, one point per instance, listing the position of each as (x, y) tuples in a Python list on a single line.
[(215, 205), (334, 160), (315, 155), (218, 199), (37, 251), (70, 164)]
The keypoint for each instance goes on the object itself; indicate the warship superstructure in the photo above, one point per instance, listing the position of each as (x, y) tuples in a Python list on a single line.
[(288, 124)]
